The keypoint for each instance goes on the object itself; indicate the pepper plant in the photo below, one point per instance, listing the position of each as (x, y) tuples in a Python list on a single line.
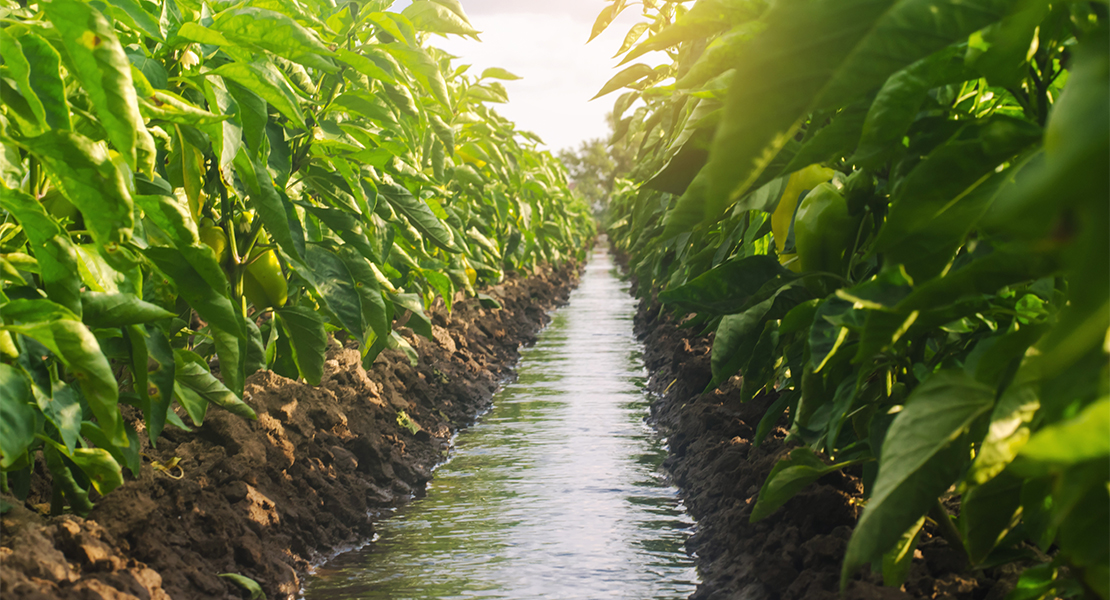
[(893, 215), (193, 190)]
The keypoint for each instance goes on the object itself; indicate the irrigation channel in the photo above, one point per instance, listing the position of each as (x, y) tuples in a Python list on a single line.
[(556, 493)]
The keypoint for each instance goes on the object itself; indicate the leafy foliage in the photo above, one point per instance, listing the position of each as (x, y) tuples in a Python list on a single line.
[(193, 191), (936, 308)]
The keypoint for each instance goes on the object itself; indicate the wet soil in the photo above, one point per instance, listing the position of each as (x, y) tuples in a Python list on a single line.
[(269, 498), (796, 553)]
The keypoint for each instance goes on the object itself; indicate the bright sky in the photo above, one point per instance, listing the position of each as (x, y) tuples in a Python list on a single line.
[(544, 42)]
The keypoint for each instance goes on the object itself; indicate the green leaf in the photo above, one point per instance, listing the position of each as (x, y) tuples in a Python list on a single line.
[(193, 377), (897, 562), (347, 225), (56, 328), (82, 169), (63, 480), (922, 455), (626, 77), (56, 254), (271, 204), (1068, 443), (432, 16), (498, 73), (133, 14), (172, 217), (374, 313), (162, 376), (988, 512), (204, 289), (735, 341), (790, 476), (728, 287), (115, 310), (336, 287), (248, 584), (899, 101), (985, 274), (17, 415), (97, 464), (423, 69), (833, 141), (917, 233), (275, 32), (264, 79), (822, 54), (63, 409), (412, 303), (169, 107), (605, 17), (1009, 431), (100, 64), (308, 339), (364, 65), (35, 65), (419, 214)]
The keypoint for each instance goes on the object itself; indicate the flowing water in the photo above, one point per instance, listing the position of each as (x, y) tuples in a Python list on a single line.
[(556, 493)]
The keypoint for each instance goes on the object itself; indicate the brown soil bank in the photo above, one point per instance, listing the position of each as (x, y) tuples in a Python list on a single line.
[(265, 498), (796, 552)]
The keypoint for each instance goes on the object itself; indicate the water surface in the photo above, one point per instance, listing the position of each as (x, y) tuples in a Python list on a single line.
[(556, 493)]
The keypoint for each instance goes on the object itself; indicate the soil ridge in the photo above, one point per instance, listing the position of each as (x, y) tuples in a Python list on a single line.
[(796, 552), (267, 498)]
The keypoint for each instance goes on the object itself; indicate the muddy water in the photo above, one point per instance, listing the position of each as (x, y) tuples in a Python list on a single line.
[(556, 493)]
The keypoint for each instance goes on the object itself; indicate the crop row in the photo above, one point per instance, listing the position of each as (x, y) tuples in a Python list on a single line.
[(894, 214), (191, 191)]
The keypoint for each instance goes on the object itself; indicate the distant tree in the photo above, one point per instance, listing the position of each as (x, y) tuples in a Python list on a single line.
[(596, 164)]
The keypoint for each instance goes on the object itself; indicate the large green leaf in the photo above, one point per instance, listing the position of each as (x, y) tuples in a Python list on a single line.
[(898, 102), (1068, 443), (790, 476), (162, 376), (196, 286), (17, 415), (271, 204), (116, 310), (43, 77), (374, 313), (922, 455), (56, 328), (56, 254), (423, 69), (307, 338), (917, 233), (427, 15), (98, 61), (336, 287), (822, 54), (1009, 431), (419, 214), (136, 17), (97, 464), (735, 340), (626, 77), (275, 32), (988, 512), (63, 409), (200, 381), (264, 79), (728, 287), (82, 169)]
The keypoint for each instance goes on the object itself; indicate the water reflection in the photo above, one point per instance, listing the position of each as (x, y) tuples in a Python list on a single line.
[(557, 493)]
